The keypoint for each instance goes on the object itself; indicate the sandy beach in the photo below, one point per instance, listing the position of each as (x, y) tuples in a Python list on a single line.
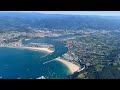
[(72, 67), (41, 49), (32, 48)]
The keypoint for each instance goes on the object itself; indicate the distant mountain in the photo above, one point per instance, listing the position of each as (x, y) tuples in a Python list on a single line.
[(20, 21)]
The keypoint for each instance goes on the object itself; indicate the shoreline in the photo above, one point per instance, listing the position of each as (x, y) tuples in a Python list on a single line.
[(72, 67), (31, 48)]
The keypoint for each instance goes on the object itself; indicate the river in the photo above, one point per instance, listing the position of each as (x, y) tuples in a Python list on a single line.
[(60, 48)]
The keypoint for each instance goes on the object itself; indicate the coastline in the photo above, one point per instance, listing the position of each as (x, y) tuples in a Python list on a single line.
[(72, 67), (31, 48), (39, 49)]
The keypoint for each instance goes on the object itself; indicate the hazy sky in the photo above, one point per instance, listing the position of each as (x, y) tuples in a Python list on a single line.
[(103, 13)]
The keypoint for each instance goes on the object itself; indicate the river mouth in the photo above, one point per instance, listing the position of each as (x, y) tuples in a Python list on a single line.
[(60, 48), (28, 64)]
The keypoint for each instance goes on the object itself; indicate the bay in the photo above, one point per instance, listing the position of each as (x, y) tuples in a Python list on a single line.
[(23, 63)]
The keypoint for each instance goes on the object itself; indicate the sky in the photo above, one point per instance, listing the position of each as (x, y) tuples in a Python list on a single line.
[(101, 13)]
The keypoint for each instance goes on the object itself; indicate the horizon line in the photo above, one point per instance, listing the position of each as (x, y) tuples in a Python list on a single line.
[(88, 13)]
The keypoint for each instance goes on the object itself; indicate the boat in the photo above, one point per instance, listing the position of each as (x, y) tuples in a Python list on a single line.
[(42, 77)]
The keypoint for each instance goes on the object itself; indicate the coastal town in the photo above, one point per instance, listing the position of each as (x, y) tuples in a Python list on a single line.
[(14, 38)]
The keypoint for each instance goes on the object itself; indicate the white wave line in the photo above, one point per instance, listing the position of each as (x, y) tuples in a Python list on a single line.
[(48, 61)]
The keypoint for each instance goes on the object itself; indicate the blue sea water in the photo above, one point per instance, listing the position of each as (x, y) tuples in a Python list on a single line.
[(23, 63)]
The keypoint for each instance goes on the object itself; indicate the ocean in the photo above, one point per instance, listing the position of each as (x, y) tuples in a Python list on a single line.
[(26, 64)]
